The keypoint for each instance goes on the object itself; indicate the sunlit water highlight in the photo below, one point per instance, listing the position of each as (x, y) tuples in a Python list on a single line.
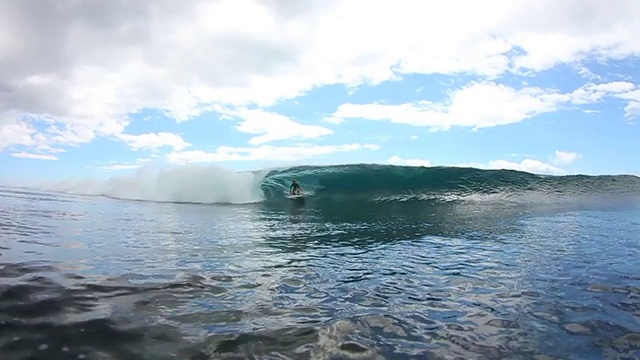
[(98, 278)]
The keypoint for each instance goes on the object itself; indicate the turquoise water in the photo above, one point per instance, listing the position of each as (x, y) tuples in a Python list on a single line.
[(416, 263)]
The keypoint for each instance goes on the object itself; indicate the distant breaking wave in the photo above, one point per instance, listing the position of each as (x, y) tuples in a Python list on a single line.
[(359, 182)]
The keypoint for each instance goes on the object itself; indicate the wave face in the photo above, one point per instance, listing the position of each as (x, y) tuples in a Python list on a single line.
[(358, 182), (442, 184)]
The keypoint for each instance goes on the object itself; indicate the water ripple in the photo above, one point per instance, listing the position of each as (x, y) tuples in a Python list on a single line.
[(124, 280)]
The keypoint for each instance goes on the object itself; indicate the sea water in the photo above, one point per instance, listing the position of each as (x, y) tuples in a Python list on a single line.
[(377, 262)]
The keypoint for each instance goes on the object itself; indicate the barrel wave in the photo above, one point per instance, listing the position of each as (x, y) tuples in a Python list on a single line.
[(388, 183), (354, 183)]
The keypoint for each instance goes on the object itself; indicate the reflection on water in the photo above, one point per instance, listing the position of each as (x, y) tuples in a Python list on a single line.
[(97, 278)]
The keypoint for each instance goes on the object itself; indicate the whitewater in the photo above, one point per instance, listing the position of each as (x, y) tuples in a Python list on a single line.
[(187, 184), (376, 262)]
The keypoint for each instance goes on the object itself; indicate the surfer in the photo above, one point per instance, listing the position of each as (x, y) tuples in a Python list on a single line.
[(295, 188)]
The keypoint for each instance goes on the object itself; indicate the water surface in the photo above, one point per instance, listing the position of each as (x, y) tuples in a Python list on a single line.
[(99, 278)]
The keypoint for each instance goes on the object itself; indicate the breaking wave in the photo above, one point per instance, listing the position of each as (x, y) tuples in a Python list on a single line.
[(358, 182), (444, 184)]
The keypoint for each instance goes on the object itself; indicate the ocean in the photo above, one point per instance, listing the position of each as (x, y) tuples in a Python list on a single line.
[(376, 262)]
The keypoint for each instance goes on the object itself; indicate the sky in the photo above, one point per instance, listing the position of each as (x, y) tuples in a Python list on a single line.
[(101, 88)]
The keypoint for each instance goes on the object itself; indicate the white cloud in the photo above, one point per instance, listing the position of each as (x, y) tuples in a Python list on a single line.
[(333, 120), (528, 165), (477, 105), (273, 126), (154, 141), (35, 156), (396, 160), (588, 74), (632, 110), (631, 95), (592, 93), (413, 137), (371, 146), (264, 152), (81, 67), (483, 104), (15, 132), (615, 87), (565, 157), (381, 138)]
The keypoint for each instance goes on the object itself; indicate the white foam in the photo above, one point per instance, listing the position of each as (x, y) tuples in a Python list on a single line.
[(190, 183)]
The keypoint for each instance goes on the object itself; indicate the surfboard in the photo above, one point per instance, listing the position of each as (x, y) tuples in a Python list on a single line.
[(297, 196)]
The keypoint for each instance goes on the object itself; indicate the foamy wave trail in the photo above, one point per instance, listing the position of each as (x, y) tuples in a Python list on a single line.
[(187, 184), (391, 183)]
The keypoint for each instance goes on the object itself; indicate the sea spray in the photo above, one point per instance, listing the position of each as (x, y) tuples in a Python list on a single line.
[(184, 184)]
